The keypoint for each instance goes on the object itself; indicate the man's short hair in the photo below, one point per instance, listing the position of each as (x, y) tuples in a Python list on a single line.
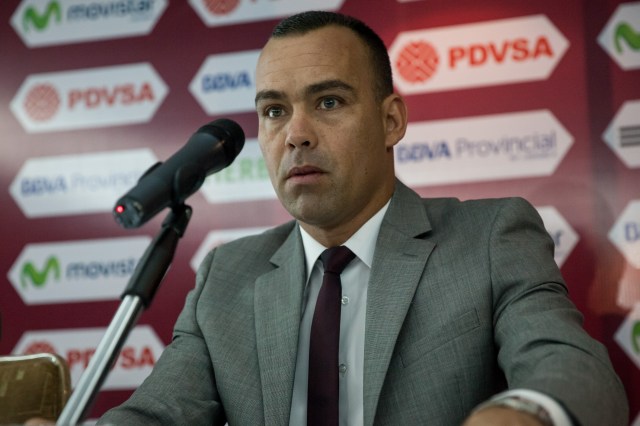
[(305, 22)]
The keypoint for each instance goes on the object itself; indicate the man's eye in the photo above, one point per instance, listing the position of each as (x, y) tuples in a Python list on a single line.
[(273, 112), (329, 103)]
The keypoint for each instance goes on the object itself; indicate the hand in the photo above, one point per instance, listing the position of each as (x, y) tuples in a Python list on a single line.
[(501, 416)]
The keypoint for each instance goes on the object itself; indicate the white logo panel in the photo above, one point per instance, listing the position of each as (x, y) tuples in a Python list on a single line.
[(246, 179), (217, 238), (628, 335), (76, 271), (225, 83), (46, 23), (139, 353), (623, 134), (81, 183), (563, 235), (475, 55), (625, 234), (226, 12), (501, 146), (96, 97), (620, 38)]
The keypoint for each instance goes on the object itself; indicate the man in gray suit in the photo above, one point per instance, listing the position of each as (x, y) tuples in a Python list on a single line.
[(451, 312)]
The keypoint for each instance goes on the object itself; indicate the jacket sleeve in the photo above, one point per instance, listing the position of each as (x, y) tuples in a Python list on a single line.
[(181, 388), (542, 344)]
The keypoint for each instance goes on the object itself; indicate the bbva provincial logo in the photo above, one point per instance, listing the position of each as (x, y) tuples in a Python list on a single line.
[(564, 236), (490, 147), (76, 271), (139, 353), (226, 12), (625, 233), (96, 97), (472, 55), (78, 183), (45, 23)]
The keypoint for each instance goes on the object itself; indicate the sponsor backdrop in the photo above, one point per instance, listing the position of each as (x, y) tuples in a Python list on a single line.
[(535, 99)]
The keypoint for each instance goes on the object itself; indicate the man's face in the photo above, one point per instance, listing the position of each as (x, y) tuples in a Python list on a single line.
[(323, 133)]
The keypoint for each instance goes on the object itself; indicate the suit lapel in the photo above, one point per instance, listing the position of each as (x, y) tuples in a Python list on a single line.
[(277, 306), (398, 263)]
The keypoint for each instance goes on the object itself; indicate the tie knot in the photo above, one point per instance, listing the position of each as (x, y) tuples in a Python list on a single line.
[(335, 259)]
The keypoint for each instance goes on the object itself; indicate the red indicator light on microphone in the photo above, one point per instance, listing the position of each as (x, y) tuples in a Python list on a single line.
[(119, 209)]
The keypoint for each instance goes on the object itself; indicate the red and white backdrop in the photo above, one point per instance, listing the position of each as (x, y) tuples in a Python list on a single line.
[(535, 99)]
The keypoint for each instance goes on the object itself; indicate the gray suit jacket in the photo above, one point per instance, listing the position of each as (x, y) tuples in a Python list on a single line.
[(464, 300)]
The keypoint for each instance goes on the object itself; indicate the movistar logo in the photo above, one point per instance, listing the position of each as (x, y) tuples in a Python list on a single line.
[(635, 337), (626, 32), (39, 277), (41, 21)]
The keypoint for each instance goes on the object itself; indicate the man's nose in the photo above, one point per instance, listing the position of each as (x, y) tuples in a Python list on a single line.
[(300, 131)]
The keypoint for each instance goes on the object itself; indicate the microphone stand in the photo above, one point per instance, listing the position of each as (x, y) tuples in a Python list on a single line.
[(138, 295)]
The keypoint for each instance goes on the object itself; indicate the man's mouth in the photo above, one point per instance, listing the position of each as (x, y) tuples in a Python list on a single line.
[(303, 171), (304, 174)]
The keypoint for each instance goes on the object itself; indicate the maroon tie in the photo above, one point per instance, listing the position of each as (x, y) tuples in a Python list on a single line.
[(322, 397)]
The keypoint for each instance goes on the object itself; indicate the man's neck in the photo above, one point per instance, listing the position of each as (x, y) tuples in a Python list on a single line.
[(339, 235)]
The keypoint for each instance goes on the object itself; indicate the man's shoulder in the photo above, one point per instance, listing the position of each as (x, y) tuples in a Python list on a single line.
[(251, 252), (267, 241), (406, 197), (476, 211), (480, 204)]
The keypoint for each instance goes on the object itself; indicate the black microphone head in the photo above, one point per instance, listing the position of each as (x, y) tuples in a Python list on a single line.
[(212, 147), (228, 131)]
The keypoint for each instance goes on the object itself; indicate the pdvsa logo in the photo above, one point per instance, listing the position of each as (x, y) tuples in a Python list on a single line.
[(226, 12), (134, 363), (95, 97), (501, 146), (80, 183), (620, 38), (221, 7), (246, 179), (225, 83), (45, 23), (472, 55), (76, 271)]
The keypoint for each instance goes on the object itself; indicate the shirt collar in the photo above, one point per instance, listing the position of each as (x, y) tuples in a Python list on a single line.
[(362, 243)]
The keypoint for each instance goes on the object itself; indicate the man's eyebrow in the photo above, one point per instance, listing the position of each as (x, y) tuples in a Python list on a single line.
[(310, 90), (268, 94), (328, 85)]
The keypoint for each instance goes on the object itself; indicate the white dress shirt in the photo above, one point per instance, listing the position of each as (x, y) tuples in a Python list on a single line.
[(355, 282)]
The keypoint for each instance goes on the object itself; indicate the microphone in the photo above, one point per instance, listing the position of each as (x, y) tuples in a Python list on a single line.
[(211, 148)]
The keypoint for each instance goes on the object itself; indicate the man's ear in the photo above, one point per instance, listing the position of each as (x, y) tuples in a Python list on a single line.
[(394, 112)]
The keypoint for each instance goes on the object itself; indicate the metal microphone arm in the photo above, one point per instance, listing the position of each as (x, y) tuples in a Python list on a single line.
[(138, 295)]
